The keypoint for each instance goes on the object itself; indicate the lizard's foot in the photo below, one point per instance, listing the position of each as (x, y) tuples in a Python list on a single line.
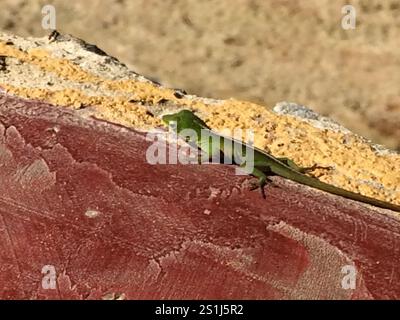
[(313, 167)]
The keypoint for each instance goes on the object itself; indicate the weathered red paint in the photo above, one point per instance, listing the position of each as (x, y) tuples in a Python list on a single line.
[(79, 195)]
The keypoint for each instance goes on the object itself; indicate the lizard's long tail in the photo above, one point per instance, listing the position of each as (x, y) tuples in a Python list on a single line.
[(315, 183)]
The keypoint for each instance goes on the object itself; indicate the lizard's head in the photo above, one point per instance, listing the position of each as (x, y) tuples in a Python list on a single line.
[(185, 119)]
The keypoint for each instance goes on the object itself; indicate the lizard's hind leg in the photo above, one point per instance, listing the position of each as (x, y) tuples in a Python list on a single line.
[(295, 167)]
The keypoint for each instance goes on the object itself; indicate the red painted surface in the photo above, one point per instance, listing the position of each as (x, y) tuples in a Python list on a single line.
[(169, 231)]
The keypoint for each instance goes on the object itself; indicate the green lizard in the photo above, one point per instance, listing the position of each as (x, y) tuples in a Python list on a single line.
[(264, 164)]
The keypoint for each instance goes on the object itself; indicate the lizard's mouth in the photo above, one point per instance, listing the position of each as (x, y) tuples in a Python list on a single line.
[(167, 118)]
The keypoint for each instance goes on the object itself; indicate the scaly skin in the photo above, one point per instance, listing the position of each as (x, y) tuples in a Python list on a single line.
[(264, 164)]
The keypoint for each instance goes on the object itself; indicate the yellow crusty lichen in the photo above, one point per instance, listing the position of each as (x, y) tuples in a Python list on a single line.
[(357, 167), (66, 69), (118, 110)]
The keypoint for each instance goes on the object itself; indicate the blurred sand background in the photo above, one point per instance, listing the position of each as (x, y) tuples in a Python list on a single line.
[(263, 51)]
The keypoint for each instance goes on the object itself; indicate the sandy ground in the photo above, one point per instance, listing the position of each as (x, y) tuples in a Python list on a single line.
[(262, 51)]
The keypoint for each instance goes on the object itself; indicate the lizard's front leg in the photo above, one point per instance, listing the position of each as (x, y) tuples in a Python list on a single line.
[(262, 181)]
